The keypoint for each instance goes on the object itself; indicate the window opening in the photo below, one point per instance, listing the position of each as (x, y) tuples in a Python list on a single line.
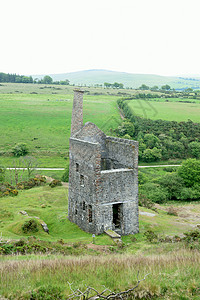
[(81, 180), (83, 205), (77, 167), (90, 213)]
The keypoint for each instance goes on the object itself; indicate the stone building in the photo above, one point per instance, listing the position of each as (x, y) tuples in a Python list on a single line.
[(103, 177)]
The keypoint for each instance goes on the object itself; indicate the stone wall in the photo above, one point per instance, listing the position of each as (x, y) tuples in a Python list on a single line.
[(124, 152), (84, 183), (77, 112), (120, 187)]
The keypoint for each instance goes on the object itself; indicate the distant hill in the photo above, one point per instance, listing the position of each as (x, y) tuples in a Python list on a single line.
[(92, 77)]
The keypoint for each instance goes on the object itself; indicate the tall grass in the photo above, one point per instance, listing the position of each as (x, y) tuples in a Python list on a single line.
[(172, 276)]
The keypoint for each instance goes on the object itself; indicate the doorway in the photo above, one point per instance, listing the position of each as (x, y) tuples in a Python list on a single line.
[(117, 215)]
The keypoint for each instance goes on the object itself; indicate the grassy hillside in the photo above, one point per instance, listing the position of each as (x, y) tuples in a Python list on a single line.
[(173, 268), (92, 77), (51, 206)]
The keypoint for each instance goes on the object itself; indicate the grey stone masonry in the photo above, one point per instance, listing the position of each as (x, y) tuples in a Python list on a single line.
[(103, 178), (77, 111)]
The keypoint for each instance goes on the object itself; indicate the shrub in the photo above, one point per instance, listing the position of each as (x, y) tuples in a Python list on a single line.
[(170, 169), (7, 190), (65, 177), (192, 236), (145, 202), (142, 178), (20, 150), (36, 181), (190, 193), (173, 183), (2, 174), (172, 211), (194, 149), (154, 192), (30, 226), (47, 293), (150, 155), (55, 183), (151, 236), (189, 171)]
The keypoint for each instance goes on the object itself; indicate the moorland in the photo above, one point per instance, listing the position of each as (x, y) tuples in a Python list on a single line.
[(38, 265)]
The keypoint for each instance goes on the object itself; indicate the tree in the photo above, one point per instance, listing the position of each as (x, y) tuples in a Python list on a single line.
[(189, 171), (154, 88), (194, 149), (144, 87), (47, 79), (188, 90), (30, 163), (126, 128), (117, 85), (64, 82), (107, 84), (151, 140), (166, 87), (150, 155)]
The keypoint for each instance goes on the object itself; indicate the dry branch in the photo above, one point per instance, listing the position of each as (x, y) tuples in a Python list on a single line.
[(85, 295)]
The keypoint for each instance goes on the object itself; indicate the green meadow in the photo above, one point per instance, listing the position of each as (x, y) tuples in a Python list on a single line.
[(51, 206), (40, 116), (171, 110), (43, 122)]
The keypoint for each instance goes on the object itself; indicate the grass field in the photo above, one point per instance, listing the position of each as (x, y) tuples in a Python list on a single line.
[(171, 276), (40, 116), (55, 215), (170, 111), (174, 269), (43, 122)]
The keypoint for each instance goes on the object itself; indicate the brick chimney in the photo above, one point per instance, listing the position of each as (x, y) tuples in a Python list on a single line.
[(77, 111)]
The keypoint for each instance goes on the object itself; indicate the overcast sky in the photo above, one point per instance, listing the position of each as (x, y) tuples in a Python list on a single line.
[(136, 36)]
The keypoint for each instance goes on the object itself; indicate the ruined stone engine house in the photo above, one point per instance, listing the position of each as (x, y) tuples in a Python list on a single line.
[(103, 177)]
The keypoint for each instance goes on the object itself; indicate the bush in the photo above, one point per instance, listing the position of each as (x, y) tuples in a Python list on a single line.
[(7, 190), (32, 182), (154, 192), (47, 293), (20, 150), (142, 177), (145, 202), (150, 155), (2, 174), (173, 183), (65, 177), (151, 236), (194, 149), (189, 171), (172, 211), (55, 183), (190, 193), (192, 236), (30, 226)]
